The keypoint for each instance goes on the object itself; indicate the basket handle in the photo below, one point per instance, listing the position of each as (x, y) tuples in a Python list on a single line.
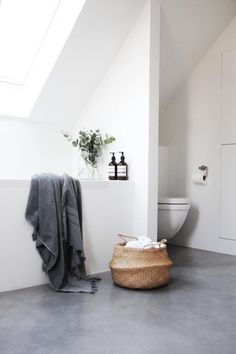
[(123, 237), (149, 244), (162, 242)]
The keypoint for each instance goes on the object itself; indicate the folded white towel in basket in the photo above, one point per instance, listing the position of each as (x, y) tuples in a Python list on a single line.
[(144, 242)]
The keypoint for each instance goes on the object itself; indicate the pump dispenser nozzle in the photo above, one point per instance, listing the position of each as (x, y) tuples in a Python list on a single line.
[(122, 155), (113, 158), (112, 169), (122, 168)]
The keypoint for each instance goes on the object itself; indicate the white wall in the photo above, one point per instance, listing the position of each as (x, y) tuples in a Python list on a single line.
[(191, 127), (120, 106), (162, 171), (188, 29), (104, 214), (27, 148)]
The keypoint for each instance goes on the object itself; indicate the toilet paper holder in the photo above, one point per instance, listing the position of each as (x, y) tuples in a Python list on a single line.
[(204, 169)]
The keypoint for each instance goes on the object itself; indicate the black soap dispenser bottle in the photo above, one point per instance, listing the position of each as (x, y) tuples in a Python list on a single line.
[(122, 168), (112, 168)]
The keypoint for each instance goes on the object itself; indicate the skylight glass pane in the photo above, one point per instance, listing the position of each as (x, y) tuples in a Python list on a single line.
[(23, 26)]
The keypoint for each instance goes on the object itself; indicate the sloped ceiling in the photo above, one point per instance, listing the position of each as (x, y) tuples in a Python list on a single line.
[(188, 29), (32, 35), (97, 36)]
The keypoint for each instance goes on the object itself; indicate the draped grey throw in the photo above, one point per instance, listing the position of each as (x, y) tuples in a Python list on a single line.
[(54, 209)]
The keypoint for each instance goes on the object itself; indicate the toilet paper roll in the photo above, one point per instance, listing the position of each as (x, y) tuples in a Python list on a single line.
[(199, 177)]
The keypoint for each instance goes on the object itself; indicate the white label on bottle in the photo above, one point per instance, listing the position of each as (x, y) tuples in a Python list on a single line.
[(111, 171), (121, 171)]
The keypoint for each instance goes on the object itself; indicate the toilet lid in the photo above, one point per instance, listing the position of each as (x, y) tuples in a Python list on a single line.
[(165, 200)]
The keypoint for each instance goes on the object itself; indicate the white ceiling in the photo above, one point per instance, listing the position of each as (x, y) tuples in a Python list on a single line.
[(188, 29), (100, 30)]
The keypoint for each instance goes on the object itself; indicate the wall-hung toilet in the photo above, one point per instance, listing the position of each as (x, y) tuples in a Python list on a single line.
[(172, 213)]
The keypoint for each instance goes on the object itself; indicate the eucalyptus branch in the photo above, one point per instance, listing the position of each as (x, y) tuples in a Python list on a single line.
[(90, 143)]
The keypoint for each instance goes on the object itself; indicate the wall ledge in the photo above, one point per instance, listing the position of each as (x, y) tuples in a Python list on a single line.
[(85, 183)]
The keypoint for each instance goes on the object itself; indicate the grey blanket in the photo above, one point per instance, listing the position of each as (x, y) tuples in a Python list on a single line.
[(54, 209)]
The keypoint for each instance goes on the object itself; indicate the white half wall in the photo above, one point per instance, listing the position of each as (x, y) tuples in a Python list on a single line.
[(104, 212), (191, 128), (122, 105)]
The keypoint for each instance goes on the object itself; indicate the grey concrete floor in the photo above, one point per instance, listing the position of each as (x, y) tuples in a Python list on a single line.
[(195, 313)]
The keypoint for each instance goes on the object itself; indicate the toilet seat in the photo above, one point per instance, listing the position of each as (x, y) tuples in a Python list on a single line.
[(173, 206), (173, 201)]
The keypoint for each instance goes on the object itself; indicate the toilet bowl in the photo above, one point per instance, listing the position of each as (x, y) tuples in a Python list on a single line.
[(172, 213)]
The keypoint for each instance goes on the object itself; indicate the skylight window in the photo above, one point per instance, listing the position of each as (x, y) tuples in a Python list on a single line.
[(32, 35), (23, 27)]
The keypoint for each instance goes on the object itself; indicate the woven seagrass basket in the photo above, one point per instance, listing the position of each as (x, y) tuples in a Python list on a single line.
[(140, 268)]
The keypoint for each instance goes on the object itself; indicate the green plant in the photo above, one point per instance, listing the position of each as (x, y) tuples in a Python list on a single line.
[(90, 143)]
